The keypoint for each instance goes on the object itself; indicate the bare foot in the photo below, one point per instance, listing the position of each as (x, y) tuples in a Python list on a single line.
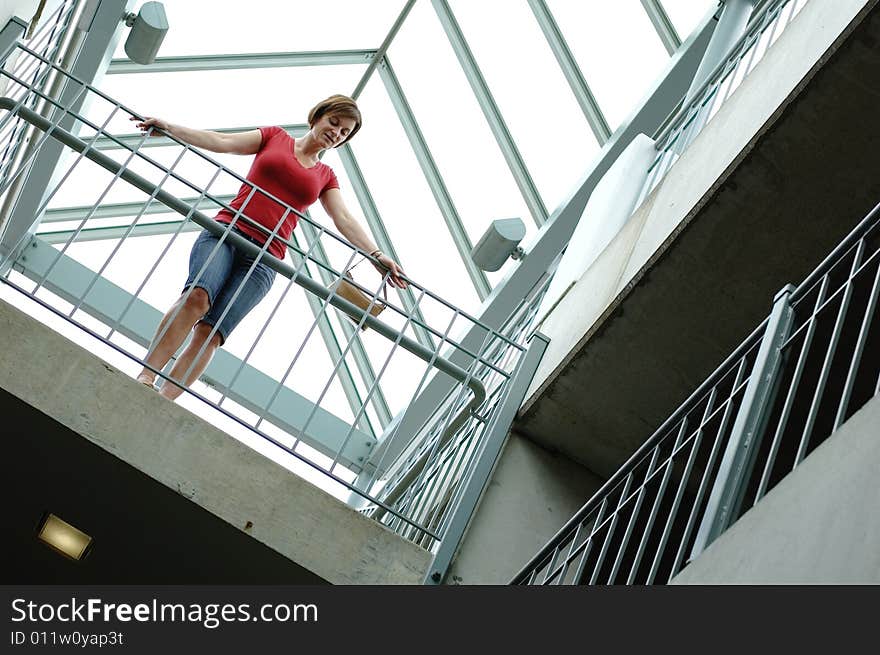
[(146, 380)]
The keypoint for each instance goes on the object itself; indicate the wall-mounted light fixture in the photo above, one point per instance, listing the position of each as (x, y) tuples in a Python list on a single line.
[(63, 537), (148, 29), (499, 241)]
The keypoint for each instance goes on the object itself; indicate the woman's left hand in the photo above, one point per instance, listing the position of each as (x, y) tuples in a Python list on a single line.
[(395, 274)]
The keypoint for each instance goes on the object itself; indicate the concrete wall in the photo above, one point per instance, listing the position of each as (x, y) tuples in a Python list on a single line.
[(721, 143), (531, 494), (781, 174), (210, 468), (819, 525)]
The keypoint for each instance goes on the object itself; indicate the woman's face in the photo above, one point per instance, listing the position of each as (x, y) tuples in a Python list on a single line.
[(331, 129)]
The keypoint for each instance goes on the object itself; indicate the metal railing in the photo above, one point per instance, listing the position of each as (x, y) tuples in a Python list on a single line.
[(683, 126), (799, 376), (830, 357), (47, 40), (278, 398), (425, 475), (649, 508), (441, 476)]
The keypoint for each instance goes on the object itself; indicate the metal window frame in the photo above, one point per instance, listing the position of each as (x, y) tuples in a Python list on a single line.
[(380, 53), (122, 209), (489, 107), (552, 238), (435, 180), (662, 24), (190, 63), (128, 141), (573, 74)]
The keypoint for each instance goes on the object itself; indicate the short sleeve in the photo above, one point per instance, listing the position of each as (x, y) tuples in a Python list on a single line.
[(268, 133), (332, 182)]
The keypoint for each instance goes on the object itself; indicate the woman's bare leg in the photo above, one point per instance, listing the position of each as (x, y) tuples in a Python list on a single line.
[(185, 361), (192, 308)]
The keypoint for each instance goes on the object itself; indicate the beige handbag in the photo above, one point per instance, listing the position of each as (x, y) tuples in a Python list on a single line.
[(355, 296)]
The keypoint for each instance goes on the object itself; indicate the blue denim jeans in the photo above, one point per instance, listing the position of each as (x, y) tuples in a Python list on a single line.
[(227, 271)]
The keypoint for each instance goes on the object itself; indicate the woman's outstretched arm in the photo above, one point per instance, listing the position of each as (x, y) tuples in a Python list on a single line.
[(334, 205), (239, 143)]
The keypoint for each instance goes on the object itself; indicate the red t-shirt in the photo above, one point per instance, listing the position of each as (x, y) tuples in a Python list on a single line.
[(277, 170)]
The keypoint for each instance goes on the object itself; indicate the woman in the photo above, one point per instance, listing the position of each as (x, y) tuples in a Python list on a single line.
[(290, 170)]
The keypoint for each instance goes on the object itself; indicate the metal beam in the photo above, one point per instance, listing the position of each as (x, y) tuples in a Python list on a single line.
[(380, 53), (66, 46), (131, 140), (665, 28), (744, 442), (251, 389), (571, 70), (383, 240), (116, 232), (511, 153), (242, 61), (122, 209), (435, 181), (494, 438)]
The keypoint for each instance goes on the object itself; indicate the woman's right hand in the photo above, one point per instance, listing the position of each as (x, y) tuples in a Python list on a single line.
[(157, 123)]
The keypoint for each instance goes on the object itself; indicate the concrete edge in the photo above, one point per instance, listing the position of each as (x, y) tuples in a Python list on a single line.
[(201, 462)]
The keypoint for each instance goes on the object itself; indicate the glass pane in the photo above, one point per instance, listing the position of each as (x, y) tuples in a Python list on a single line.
[(617, 49), (541, 113), (687, 14), (455, 129)]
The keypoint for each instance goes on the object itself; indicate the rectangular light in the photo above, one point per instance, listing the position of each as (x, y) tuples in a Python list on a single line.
[(63, 537)]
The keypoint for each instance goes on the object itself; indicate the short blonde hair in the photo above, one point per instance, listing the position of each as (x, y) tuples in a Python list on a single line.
[(337, 105)]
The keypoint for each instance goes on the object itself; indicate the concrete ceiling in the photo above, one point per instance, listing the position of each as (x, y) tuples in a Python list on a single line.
[(810, 176)]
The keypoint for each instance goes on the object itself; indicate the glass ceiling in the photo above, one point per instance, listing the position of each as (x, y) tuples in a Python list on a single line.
[(616, 46)]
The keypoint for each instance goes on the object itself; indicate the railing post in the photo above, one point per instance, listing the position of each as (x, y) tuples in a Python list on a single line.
[(748, 428), (494, 440)]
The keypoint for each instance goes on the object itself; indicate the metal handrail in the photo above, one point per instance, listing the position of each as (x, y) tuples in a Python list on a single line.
[(314, 287), (636, 457), (675, 117), (858, 233), (848, 242)]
